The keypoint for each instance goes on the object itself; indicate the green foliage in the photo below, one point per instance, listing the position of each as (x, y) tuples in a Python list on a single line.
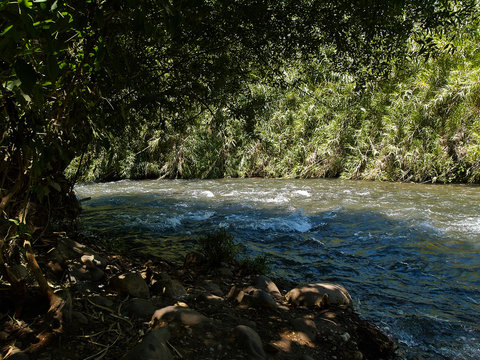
[(218, 248), (420, 124), (259, 265)]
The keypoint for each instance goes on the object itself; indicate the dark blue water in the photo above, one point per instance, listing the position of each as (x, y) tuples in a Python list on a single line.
[(408, 254)]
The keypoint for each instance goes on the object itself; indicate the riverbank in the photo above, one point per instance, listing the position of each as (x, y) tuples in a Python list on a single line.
[(140, 307)]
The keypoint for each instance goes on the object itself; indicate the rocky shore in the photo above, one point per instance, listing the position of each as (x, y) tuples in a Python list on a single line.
[(138, 308)]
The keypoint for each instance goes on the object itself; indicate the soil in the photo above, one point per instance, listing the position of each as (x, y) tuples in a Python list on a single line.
[(97, 325)]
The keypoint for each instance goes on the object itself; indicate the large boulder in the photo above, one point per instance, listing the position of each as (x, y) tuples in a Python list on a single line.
[(153, 347), (319, 295)]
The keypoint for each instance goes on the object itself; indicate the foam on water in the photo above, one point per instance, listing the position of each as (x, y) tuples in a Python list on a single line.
[(302, 193)]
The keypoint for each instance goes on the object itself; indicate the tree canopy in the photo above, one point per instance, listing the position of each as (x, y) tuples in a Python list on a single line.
[(82, 72)]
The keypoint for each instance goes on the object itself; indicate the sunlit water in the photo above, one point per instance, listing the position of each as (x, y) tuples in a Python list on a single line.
[(407, 253)]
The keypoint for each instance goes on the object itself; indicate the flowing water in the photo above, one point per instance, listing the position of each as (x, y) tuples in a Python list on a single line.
[(409, 254)]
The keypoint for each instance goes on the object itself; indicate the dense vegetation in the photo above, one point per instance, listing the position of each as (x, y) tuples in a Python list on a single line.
[(213, 88), (420, 123)]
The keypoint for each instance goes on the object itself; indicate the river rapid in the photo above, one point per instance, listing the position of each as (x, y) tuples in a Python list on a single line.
[(409, 254)]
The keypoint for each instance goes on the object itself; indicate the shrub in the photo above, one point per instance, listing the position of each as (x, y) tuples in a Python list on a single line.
[(255, 265), (218, 247)]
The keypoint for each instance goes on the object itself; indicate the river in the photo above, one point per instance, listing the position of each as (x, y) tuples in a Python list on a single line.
[(409, 254)]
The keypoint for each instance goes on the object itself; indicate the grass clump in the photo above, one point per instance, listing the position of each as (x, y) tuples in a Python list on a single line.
[(255, 265), (218, 248)]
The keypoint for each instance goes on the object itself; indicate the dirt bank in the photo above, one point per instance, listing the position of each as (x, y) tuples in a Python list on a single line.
[(137, 307)]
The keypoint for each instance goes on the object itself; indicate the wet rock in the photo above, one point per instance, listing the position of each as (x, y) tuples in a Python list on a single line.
[(306, 328), (132, 284), (167, 286), (140, 308), (319, 295), (248, 339), (266, 284), (257, 298), (153, 347), (180, 314), (373, 344)]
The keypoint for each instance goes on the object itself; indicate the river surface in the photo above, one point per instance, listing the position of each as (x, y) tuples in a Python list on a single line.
[(409, 254)]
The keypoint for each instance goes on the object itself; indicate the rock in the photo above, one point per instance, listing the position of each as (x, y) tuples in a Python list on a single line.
[(55, 267), (319, 295), (93, 260), (78, 273), (306, 357), (79, 317), (306, 327), (153, 347), (132, 284), (67, 249), (96, 274), (180, 314), (194, 260), (175, 290), (140, 308), (213, 288), (18, 355), (264, 283), (212, 299), (345, 336), (233, 293), (169, 287), (250, 340), (225, 272), (357, 355), (257, 298), (102, 301)]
